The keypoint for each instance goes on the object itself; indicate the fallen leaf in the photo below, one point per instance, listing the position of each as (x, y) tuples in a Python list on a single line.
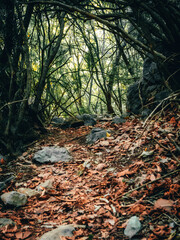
[(101, 166), (104, 143), (152, 177), (164, 203), (2, 161), (146, 153)]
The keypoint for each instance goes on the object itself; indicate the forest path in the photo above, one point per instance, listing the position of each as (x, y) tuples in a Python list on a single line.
[(91, 190)]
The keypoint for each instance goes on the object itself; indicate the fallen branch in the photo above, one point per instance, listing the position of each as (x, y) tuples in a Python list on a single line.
[(150, 182), (165, 99), (168, 149)]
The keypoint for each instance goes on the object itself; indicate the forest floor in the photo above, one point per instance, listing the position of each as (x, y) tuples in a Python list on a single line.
[(133, 172)]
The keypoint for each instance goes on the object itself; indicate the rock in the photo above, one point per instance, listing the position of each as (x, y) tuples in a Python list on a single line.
[(14, 198), (145, 113), (46, 185), (52, 155), (95, 134), (76, 124), (71, 123), (117, 120), (6, 221), (133, 227), (150, 90), (161, 95), (28, 192), (3, 184), (88, 119), (63, 230), (133, 101), (150, 72), (57, 121)]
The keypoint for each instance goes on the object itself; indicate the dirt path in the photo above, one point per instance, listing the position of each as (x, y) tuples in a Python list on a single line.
[(91, 190)]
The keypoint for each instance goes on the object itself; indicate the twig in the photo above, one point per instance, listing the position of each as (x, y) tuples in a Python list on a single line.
[(9, 103), (168, 149), (171, 219), (151, 114), (160, 144), (150, 182)]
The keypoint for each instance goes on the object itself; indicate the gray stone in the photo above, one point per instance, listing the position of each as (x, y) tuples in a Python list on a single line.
[(161, 95), (6, 221), (52, 155), (95, 134), (56, 234), (145, 113), (117, 120), (150, 72), (4, 184), (133, 100), (57, 121), (14, 198), (88, 119), (133, 227)]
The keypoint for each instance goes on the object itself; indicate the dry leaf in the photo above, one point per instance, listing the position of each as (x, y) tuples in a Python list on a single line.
[(164, 203), (104, 143)]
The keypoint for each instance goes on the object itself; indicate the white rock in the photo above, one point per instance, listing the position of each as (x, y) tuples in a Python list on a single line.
[(56, 234), (133, 226)]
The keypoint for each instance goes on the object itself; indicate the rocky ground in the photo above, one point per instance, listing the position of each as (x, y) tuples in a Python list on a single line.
[(132, 172)]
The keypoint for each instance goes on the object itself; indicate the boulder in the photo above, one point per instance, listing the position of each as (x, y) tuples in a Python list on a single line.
[(89, 120), (61, 231), (95, 134), (14, 198), (52, 155), (133, 101), (161, 95), (151, 89)]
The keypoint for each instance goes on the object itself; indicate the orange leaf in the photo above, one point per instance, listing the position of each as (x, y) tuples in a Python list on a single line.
[(23, 235), (172, 120), (2, 161), (161, 230)]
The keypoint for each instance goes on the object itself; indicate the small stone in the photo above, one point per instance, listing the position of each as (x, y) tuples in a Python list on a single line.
[(14, 198), (96, 134), (56, 234), (133, 226), (117, 120)]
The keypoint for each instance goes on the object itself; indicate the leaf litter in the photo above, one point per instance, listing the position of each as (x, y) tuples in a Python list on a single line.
[(134, 171)]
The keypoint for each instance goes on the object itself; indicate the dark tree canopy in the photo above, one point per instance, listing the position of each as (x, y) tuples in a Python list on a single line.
[(57, 56)]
